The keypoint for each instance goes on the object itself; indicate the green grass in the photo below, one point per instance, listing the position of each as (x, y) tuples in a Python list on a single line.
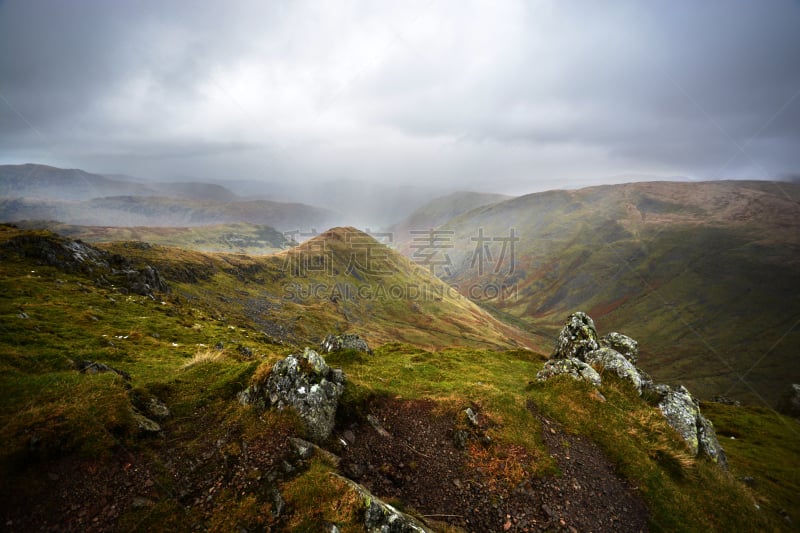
[(683, 494), (765, 447), (49, 410)]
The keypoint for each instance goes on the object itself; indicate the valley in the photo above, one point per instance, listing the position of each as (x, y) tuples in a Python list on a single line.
[(461, 303)]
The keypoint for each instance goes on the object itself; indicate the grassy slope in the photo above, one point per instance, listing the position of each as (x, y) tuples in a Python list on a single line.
[(49, 410), (705, 275), (239, 238)]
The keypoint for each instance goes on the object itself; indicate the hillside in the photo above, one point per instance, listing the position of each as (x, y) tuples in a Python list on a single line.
[(89, 351), (156, 211), (240, 238), (440, 210), (52, 183), (708, 272)]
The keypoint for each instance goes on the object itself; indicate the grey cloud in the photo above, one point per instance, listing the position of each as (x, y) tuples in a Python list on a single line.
[(426, 91)]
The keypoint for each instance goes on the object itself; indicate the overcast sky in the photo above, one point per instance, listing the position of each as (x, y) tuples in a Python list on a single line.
[(507, 96)]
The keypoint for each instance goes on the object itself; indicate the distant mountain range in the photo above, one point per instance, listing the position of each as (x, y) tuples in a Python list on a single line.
[(51, 183), (708, 273), (39, 192)]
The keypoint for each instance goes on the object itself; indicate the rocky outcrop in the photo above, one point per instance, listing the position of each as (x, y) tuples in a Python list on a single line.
[(623, 344), (346, 341), (93, 367), (612, 361), (106, 269), (579, 354), (577, 338), (305, 383), (682, 411), (572, 367), (380, 517)]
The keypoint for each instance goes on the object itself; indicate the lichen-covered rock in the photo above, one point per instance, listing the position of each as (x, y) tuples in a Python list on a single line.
[(571, 367), (622, 344), (682, 412), (305, 383), (157, 409), (577, 338), (380, 517), (347, 341), (144, 424), (613, 361), (709, 444)]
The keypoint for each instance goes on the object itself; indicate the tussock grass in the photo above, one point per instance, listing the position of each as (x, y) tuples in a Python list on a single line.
[(205, 356)]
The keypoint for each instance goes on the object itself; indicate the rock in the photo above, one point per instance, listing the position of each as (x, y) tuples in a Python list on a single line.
[(472, 417), (572, 367), (376, 425), (278, 503), (380, 517), (623, 344), (93, 367), (709, 444), (346, 341), (577, 338), (789, 404), (245, 352), (612, 360), (157, 409), (682, 412), (144, 424), (76, 256), (305, 383), (307, 450), (726, 401)]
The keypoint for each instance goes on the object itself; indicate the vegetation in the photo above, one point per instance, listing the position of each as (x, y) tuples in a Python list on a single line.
[(222, 326)]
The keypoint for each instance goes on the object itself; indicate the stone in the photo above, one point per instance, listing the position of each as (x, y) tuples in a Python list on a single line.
[(623, 344), (346, 341), (144, 424), (472, 416), (305, 383), (573, 367), (682, 412), (157, 409), (789, 404), (611, 360), (380, 517), (708, 442), (307, 450), (577, 338), (93, 367)]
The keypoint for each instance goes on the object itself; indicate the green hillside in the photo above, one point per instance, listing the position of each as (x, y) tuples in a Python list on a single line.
[(76, 457), (708, 273), (240, 238)]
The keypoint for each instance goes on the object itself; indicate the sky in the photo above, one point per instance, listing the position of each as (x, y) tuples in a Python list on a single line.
[(499, 96)]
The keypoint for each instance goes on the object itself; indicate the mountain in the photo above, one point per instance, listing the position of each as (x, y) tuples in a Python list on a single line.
[(157, 211), (708, 273), (440, 210), (45, 182), (123, 370), (340, 280), (51, 183)]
